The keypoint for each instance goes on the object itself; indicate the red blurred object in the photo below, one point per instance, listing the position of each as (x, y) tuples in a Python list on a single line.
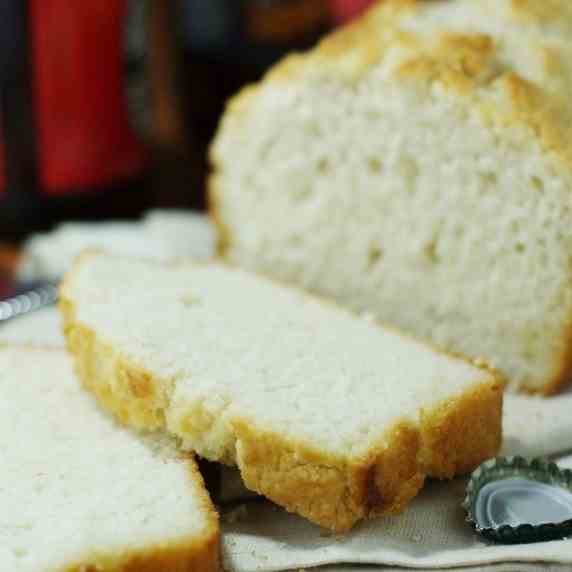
[(344, 10), (84, 136)]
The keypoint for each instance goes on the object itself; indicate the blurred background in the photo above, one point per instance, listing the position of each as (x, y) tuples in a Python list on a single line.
[(107, 108)]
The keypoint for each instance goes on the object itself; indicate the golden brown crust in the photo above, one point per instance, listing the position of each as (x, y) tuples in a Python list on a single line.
[(457, 436), (184, 555), (547, 116), (562, 379), (223, 232), (330, 490), (563, 374), (465, 64), (454, 437), (461, 62), (539, 12)]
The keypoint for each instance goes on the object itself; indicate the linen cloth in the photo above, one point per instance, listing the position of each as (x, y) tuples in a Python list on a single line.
[(430, 534)]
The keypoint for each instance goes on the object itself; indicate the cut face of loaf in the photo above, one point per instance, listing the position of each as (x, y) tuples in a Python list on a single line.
[(79, 493), (418, 165), (325, 413)]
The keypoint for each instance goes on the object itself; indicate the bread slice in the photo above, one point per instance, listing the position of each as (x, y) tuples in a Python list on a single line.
[(79, 493), (418, 165), (327, 414)]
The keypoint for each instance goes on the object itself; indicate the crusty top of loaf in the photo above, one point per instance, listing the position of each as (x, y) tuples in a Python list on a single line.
[(511, 60)]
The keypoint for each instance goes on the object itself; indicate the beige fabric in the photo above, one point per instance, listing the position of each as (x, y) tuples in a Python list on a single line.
[(431, 534), (159, 235)]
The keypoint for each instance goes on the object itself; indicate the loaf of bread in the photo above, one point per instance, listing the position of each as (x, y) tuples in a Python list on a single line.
[(418, 165), (325, 413), (79, 493)]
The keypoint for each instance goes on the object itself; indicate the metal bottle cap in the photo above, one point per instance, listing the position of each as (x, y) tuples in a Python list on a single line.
[(514, 500)]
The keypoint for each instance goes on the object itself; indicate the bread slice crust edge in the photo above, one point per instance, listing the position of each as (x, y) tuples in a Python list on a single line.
[(334, 492), (181, 555)]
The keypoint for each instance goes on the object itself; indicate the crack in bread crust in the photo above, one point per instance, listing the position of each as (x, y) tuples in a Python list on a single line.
[(330, 490)]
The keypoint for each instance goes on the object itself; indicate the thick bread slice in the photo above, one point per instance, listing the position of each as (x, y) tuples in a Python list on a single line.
[(418, 165), (327, 414), (78, 493)]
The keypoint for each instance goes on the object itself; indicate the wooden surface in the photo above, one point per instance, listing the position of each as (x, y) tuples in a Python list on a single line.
[(8, 259)]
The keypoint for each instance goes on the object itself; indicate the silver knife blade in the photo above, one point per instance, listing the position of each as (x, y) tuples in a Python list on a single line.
[(30, 301)]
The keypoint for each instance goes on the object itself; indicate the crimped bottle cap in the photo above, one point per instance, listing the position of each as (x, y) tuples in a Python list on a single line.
[(514, 500)]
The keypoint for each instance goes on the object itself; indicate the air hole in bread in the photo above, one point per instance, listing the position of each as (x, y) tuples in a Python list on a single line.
[(302, 194), (537, 184), (20, 553), (190, 300), (375, 165), (323, 166), (489, 179), (409, 171), (375, 254), (431, 251)]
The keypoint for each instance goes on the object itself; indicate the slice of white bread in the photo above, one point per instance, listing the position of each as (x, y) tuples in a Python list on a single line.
[(418, 165), (78, 493), (325, 413)]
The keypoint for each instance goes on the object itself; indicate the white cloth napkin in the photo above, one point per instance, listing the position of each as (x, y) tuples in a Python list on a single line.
[(160, 235)]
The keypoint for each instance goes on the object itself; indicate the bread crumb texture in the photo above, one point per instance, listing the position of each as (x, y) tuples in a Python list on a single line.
[(417, 164), (81, 494), (324, 413)]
